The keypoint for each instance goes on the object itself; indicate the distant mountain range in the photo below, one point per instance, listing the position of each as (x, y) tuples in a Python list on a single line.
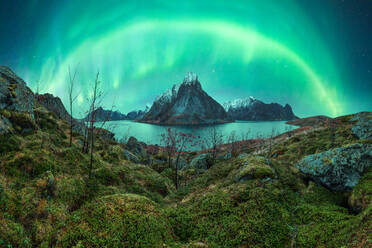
[(109, 115), (186, 104), (251, 109)]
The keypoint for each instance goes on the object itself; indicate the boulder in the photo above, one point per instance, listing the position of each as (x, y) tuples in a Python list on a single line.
[(338, 169), (200, 162), (182, 163), (5, 125), (254, 167), (363, 125), (131, 157), (136, 147), (14, 94)]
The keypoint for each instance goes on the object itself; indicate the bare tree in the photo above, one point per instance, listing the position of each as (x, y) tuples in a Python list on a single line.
[(168, 140), (233, 141), (95, 101), (245, 135), (214, 139), (72, 98), (271, 139)]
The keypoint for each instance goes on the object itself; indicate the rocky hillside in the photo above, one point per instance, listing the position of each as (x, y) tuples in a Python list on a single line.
[(307, 188), (251, 109), (186, 104)]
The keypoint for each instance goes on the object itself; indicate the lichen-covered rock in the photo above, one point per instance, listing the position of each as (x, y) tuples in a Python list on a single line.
[(201, 161), (131, 157), (119, 220), (338, 169), (255, 167), (5, 125), (136, 147), (182, 163), (14, 94), (363, 125)]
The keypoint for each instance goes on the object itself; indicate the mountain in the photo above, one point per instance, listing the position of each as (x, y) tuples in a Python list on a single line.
[(53, 104), (137, 114), (107, 115), (186, 104), (251, 109)]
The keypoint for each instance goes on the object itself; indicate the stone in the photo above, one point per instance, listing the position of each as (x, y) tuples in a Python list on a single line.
[(338, 169), (131, 157), (181, 163), (5, 125), (136, 147), (200, 162), (255, 167), (14, 94)]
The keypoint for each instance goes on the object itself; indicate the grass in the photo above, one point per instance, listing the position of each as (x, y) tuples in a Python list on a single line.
[(46, 199)]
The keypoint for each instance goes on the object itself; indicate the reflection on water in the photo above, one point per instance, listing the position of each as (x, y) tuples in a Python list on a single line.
[(151, 134)]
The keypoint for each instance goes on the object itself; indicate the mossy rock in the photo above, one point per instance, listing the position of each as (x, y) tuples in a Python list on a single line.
[(361, 197), (120, 220), (24, 121), (255, 167)]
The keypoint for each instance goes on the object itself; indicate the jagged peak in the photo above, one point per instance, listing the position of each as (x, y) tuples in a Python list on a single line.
[(238, 103), (191, 79)]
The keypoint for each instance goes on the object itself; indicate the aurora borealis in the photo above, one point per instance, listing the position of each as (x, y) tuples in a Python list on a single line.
[(314, 55)]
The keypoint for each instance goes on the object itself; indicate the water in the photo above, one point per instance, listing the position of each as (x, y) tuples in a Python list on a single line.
[(151, 134)]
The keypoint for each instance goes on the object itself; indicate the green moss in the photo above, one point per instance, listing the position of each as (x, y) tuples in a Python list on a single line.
[(22, 120), (29, 164), (121, 220), (12, 234), (255, 168), (361, 196), (6, 113)]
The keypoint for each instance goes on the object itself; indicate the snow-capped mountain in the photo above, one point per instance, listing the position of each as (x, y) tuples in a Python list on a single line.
[(186, 104), (251, 109), (239, 103)]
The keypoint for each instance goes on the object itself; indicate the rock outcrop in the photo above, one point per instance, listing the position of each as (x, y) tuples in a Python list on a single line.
[(16, 103), (251, 109), (186, 104), (53, 104), (14, 94), (338, 169)]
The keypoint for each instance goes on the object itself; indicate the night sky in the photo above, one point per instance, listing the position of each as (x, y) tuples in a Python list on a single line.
[(315, 55)]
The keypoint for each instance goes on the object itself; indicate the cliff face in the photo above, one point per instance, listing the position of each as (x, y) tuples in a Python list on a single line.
[(14, 94), (252, 109), (186, 104), (53, 104)]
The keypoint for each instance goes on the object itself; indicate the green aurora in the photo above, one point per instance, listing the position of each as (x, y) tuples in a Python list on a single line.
[(271, 50)]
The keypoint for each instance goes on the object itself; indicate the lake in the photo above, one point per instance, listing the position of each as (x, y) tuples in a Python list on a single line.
[(151, 134)]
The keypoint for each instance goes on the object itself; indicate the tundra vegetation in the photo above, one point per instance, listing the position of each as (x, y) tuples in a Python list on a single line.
[(53, 194)]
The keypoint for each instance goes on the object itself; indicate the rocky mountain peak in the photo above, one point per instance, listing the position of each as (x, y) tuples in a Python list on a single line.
[(185, 104), (191, 79)]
